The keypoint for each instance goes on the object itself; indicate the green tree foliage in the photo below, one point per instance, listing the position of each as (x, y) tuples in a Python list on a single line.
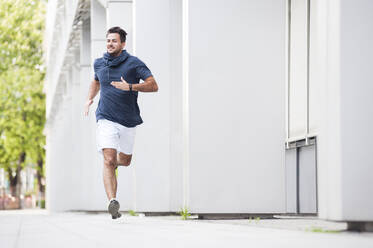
[(22, 101)]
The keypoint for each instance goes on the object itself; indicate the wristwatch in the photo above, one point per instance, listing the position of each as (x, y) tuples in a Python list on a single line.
[(130, 85)]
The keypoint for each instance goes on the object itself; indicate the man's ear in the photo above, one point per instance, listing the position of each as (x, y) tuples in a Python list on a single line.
[(123, 44)]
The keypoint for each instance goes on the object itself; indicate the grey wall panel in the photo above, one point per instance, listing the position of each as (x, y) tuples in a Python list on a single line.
[(307, 180), (291, 180)]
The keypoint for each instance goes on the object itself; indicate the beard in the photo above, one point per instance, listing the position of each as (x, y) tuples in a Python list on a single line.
[(114, 51)]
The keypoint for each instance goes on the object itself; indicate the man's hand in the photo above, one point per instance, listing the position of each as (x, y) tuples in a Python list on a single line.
[(93, 90), (123, 85), (86, 107)]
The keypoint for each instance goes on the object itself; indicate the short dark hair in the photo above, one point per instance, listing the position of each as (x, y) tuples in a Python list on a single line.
[(118, 30)]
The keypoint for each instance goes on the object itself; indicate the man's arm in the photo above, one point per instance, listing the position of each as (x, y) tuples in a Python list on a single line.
[(149, 85), (93, 90)]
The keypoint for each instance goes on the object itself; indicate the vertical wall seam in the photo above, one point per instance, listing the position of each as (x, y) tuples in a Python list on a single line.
[(134, 27), (288, 69), (170, 108), (134, 52), (185, 103), (297, 179), (316, 178), (308, 69)]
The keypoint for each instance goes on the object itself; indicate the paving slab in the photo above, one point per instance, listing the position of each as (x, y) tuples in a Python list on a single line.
[(78, 229)]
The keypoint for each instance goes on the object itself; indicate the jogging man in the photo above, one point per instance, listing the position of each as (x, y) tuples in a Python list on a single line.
[(117, 75)]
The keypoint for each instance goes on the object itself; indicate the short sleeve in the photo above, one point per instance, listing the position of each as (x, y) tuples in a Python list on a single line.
[(142, 71), (95, 68)]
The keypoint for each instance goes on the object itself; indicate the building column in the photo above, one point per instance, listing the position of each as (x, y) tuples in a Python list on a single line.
[(93, 197), (346, 138), (120, 13), (98, 30)]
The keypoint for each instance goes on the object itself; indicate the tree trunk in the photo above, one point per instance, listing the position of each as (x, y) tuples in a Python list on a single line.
[(12, 181), (21, 160), (39, 176)]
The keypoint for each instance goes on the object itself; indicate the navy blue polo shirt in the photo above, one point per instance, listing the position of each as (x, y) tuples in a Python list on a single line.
[(118, 105)]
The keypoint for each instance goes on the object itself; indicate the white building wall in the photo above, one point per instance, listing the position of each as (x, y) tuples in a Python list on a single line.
[(153, 149), (92, 194), (73, 177), (298, 69), (98, 30), (166, 118), (155, 180), (306, 56), (236, 94), (357, 104), (346, 136), (220, 111), (176, 105), (316, 64)]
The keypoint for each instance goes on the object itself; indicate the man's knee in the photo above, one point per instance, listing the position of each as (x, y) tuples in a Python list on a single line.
[(110, 157), (111, 162), (127, 161), (124, 160)]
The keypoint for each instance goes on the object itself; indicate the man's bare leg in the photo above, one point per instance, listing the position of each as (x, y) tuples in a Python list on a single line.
[(124, 159), (110, 180)]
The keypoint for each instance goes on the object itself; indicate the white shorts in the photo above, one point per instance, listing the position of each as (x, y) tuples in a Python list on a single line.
[(113, 135)]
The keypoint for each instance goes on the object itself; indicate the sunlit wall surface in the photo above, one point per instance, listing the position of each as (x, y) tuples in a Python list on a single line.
[(208, 129), (239, 80)]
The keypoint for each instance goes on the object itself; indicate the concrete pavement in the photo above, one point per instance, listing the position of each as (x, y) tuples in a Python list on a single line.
[(39, 229)]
